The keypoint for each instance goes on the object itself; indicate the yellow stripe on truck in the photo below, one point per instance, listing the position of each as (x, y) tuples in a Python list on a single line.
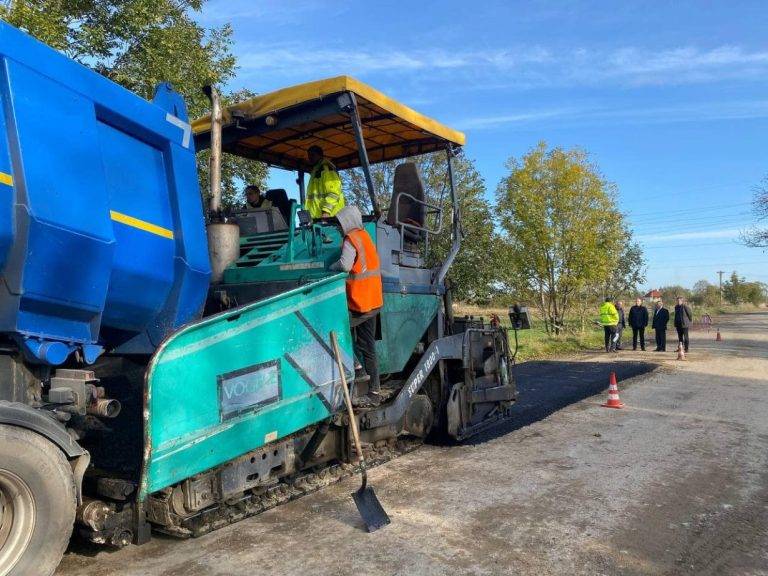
[(141, 224), (6, 179)]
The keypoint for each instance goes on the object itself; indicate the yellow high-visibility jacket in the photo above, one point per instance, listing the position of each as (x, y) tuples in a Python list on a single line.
[(324, 191), (609, 316)]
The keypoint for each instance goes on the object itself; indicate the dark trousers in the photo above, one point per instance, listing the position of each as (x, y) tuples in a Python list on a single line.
[(635, 333), (661, 340), (364, 334), (610, 338), (682, 336)]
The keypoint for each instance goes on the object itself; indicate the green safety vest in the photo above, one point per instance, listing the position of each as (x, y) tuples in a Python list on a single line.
[(609, 316), (324, 191)]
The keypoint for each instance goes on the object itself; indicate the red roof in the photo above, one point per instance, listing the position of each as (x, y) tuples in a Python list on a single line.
[(653, 294)]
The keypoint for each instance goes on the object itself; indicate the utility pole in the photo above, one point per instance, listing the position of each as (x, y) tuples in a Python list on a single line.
[(720, 273)]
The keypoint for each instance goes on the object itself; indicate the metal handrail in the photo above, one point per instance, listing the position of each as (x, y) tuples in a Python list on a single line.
[(434, 210), (291, 231), (456, 231)]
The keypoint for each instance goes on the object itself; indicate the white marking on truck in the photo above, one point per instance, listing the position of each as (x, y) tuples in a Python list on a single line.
[(179, 123)]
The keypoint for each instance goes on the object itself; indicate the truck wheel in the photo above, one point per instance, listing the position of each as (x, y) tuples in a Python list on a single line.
[(37, 503)]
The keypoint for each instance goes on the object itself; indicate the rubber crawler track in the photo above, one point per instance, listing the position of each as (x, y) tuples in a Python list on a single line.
[(248, 505)]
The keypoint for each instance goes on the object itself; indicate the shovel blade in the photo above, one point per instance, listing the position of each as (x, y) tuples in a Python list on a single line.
[(370, 509)]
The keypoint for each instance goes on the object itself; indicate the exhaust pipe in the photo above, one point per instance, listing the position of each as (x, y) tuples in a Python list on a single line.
[(104, 407), (223, 236), (215, 160)]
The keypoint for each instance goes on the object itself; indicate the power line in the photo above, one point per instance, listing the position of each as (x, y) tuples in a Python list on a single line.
[(692, 209), (704, 245), (702, 233), (678, 193), (684, 224), (691, 227), (692, 218), (710, 265)]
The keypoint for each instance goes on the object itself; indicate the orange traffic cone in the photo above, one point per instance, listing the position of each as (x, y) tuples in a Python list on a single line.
[(613, 394), (680, 351), (718, 338)]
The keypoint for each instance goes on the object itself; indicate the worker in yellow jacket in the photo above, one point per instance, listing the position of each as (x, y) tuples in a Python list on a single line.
[(609, 320), (324, 195)]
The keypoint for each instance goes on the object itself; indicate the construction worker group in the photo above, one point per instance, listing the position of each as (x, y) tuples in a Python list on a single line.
[(613, 321)]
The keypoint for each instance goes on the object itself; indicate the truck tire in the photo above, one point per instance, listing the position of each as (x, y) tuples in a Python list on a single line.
[(37, 503)]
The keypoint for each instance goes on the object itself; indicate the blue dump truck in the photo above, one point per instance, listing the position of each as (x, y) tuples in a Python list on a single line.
[(168, 368)]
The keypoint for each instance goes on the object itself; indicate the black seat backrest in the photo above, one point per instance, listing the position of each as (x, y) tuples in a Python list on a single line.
[(279, 199), (258, 220), (407, 180)]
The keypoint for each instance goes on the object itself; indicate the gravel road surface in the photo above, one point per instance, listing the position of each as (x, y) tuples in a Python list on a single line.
[(675, 483)]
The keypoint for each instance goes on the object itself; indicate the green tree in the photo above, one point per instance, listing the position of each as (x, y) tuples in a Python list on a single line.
[(669, 293), (732, 289), (138, 44), (628, 270), (754, 293), (757, 237), (473, 273), (705, 294), (563, 233), (737, 290)]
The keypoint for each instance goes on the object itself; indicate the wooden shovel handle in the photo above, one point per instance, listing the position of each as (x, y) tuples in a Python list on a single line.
[(348, 402)]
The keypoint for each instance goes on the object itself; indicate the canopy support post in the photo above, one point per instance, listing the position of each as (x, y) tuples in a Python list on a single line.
[(456, 230), (357, 128), (302, 191), (215, 160)]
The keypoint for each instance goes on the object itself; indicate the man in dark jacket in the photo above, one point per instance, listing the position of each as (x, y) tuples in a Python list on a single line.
[(660, 321), (638, 320), (621, 325), (683, 320)]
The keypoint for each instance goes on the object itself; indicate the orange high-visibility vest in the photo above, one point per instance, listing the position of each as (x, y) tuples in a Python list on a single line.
[(364, 291)]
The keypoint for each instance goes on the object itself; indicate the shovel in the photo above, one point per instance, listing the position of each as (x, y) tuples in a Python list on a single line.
[(365, 498)]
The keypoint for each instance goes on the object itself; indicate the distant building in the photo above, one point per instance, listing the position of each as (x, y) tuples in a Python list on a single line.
[(653, 296)]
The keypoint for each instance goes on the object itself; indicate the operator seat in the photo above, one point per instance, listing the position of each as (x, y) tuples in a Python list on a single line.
[(279, 199), (407, 180)]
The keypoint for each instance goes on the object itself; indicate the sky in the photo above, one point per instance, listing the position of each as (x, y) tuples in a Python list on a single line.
[(669, 99)]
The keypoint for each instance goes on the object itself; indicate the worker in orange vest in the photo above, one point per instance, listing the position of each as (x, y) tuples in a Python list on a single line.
[(364, 294)]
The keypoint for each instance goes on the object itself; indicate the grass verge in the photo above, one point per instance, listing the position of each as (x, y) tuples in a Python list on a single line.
[(536, 344)]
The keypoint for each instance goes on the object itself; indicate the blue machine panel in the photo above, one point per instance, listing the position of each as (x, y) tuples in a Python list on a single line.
[(6, 181), (102, 238), (137, 186)]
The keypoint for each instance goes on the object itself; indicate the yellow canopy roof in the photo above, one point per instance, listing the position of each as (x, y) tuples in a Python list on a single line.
[(391, 130)]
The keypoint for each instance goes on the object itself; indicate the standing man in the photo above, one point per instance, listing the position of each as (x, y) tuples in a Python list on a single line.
[(324, 195), (364, 294), (255, 199), (621, 325), (660, 321), (638, 320), (609, 320), (683, 319)]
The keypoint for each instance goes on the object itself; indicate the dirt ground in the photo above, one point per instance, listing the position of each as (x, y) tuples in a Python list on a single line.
[(676, 483)]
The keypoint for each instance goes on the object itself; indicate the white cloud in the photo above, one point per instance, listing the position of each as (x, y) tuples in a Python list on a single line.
[(681, 65), (687, 112), (504, 120), (264, 12), (725, 233), (528, 66), (295, 59)]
